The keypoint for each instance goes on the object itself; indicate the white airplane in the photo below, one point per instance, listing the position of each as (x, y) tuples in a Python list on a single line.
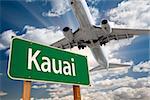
[(92, 36)]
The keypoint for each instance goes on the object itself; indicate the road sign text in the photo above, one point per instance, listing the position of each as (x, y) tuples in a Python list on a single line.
[(64, 67)]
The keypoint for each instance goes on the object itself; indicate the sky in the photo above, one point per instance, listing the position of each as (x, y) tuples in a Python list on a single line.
[(43, 20)]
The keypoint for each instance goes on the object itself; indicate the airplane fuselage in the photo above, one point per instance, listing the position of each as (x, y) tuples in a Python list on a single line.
[(85, 33)]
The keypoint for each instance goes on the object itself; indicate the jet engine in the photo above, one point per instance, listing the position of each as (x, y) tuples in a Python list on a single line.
[(106, 27), (68, 34)]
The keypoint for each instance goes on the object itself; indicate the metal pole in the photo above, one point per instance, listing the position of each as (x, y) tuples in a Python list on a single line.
[(76, 92), (26, 90)]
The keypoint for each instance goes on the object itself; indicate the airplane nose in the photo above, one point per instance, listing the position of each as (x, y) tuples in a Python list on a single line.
[(104, 21)]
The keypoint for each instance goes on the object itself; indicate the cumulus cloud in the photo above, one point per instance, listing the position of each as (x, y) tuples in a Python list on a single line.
[(1, 74), (29, 1), (94, 2), (104, 86), (5, 39), (95, 14), (114, 46), (58, 90), (39, 86), (131, 13), (142, 67), (115, 88), (127, 93), (2, 93), (59, 7), (43, 35)]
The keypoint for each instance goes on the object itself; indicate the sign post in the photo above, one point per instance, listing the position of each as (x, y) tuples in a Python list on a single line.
[(26, 90), (76, 92)]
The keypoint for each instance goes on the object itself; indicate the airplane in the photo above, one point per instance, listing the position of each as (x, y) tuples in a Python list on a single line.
[(92, 36)]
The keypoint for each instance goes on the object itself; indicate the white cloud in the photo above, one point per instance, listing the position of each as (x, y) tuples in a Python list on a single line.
[(1, 74), (142, 67), (95, 14), (59, 7), (114, 46), (39, 83), (105, 86), (127, 93), (29, 1), (131, 13), (57, 90), (94, 2), (2, 93), (5, 39), (43, 35), (115, 88), (39, 86)]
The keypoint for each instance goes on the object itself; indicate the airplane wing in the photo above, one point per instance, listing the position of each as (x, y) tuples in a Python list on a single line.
[(63, 44), (111, 65), (118, 33)]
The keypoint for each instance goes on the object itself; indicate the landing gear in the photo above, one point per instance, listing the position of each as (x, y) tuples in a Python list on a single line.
[(103, 43), (70, 45), (81, 44), (81, 47)]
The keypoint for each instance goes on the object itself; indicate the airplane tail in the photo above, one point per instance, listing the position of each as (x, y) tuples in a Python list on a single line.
[(111, 65)]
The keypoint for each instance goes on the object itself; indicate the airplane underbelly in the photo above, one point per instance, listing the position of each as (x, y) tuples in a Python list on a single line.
[(85, 34)]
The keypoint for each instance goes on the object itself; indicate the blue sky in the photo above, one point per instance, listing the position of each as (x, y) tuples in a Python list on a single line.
[(26, 18)]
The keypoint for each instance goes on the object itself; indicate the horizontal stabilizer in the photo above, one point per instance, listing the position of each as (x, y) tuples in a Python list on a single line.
[(111, 65), (114, 65)]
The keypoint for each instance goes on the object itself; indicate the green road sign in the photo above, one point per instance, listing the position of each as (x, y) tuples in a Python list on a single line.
[(36, 62)]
